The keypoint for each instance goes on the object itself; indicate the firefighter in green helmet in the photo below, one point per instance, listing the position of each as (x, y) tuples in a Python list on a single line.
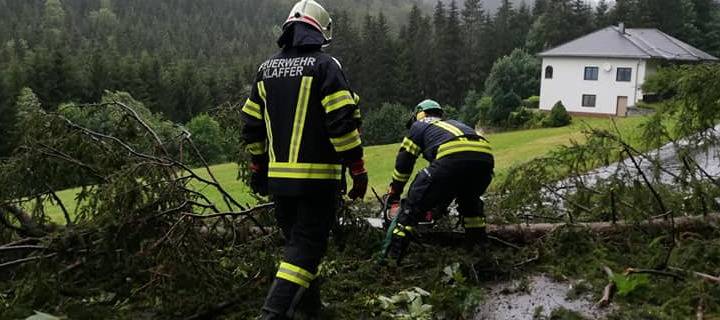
[(301, 126), (461, 168)]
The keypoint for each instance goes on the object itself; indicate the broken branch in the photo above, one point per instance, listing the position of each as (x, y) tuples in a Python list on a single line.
[(25, 260)]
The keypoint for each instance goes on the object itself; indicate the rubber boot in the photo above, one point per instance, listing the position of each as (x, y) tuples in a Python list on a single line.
[(310, 306), (282, 300), (270, 315), (402, 233)]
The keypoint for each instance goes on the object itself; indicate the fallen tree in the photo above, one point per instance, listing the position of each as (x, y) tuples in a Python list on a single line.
[(144, 241)]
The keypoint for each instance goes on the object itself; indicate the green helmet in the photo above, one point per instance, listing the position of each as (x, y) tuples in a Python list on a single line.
[(312, 13), (427, 105)]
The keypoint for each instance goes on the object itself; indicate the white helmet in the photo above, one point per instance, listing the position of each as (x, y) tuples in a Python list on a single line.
[(312, 13)]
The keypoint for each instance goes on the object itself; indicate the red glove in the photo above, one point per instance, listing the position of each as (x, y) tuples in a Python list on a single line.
[(259, 178), (360, 179)]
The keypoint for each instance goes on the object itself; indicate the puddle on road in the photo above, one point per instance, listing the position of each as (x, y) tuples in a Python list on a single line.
[(506, 301)]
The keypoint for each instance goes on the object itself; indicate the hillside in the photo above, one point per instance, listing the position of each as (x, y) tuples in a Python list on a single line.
[(246, 26)]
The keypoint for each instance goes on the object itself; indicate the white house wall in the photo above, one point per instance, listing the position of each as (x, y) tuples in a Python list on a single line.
[(568, 84)]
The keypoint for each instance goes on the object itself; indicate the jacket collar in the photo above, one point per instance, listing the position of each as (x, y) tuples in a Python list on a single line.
[(301, 35)]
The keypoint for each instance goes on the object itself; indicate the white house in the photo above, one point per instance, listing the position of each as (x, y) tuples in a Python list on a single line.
[(602, 73)]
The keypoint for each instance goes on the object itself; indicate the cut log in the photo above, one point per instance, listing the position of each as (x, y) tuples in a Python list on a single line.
[(526, 233)]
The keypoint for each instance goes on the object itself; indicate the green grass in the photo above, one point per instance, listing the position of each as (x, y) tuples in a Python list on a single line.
[(510, 148)]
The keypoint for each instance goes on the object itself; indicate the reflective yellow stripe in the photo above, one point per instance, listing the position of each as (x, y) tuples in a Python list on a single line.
[(252, 109), (356, 114), (356, 98), (450, 128), (474, 222), (256, 148), (411, 147), (261, 91), (321, 171), (451, 147), (337, 100), (292, 278), (300, 271), (347, 142), (294, 274), (402, 177), (300, 113), (268, 129), (401, 230)]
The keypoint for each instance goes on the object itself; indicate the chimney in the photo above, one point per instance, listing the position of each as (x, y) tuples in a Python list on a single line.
[(621, 27)]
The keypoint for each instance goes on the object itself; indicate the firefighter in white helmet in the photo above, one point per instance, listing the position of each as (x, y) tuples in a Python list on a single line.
[(301, 126)]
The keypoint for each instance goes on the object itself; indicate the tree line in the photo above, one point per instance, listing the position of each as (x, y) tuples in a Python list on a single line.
[(182, 58)]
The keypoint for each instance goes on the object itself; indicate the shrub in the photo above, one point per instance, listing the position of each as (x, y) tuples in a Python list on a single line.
[(520, 118), (538, 120), (469, 112), (208, 137), (484, 106), (386, 125), (475, 109), (450, 112), (532, 102), (512, 77), (518, 72), (501, 108), (558, 117), (664, 83)]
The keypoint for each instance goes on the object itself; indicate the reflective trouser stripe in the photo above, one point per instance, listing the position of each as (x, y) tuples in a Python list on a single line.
[(402, 177), (300, 113), (337, 100), (257, 148), (295, 274), (253, 109), (401, 230), (319, 171), (347, 142), (474, 222), (451, 147), (411, 147)]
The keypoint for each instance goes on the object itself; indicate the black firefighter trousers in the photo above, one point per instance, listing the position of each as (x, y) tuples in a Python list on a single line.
[(463, 177), (306, 222)]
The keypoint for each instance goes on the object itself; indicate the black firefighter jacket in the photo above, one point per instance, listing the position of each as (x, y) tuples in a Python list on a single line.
[(302, 117), (435, 138)]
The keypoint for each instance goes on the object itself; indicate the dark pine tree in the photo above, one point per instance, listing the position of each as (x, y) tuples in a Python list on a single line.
[(450, 49)]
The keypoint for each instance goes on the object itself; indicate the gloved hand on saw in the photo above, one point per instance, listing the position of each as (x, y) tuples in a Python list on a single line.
[(394, 192), (399, 242)]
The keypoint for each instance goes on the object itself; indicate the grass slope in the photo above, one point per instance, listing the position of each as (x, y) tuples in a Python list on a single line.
[(510, 149)]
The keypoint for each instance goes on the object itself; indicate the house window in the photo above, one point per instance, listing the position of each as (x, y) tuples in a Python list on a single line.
[(588, 100), (624, 74), (548, 72), (591, 73)]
